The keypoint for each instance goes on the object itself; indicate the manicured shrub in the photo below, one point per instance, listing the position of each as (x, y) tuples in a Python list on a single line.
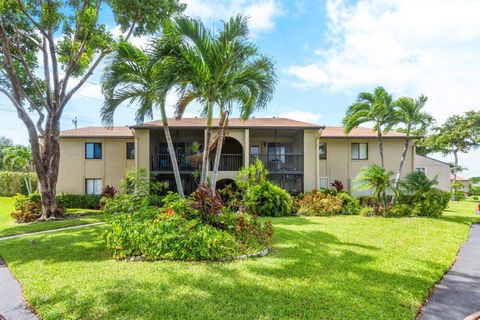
[(29, 208), (12, 183), (267, 199), (475, 198), (168, 236), (459, 195), (350, 205), (84, 201), (432, 204), (318, 203)]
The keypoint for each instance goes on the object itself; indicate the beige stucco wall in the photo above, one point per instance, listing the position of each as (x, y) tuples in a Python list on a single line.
[(74, 168), (435, 168), (142, 148), (340, 166), (310, 159)]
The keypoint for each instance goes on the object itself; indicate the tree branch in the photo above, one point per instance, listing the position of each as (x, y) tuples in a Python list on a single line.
[(46, 71)]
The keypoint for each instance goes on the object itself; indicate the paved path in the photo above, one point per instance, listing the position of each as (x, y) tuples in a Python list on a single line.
[(12, 305), (50, 231), (458, 294)]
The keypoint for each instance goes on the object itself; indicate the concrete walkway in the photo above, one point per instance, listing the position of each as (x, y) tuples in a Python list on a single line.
[(12, 305), (50, 231), (458, 294)]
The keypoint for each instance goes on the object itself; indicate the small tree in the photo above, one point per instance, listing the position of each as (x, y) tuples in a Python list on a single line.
[(19, 159), (376, 178), (459, 134), (4, 143), (373, 107), (71, 44)]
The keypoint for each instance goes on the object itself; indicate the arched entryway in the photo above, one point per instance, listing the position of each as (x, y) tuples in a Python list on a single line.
[(226, 183), (231, 158)]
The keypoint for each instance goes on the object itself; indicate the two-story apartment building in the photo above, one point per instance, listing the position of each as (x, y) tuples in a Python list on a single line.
[(300, 156)]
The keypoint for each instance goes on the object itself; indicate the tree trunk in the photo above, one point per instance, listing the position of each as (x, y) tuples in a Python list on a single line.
[(173, 159), (455, 168), (221, 137), (380, 144), (399, 172), (206, 145)]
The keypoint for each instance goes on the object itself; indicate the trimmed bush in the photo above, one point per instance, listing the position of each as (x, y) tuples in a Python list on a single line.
[(124, 203), (267, 199), (350, 205), (318, 203), (85, 201), (12, 183)]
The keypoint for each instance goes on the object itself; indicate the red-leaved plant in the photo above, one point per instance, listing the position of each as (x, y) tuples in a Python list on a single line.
[(338, 185), (209, 204)]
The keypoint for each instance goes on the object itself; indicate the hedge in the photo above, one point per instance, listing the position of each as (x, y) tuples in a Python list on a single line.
[(84, 201), (12, 183)]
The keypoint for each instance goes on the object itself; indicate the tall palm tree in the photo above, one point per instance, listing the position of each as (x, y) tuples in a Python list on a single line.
[(132, 76), (222, 70), (409, 114), (373, 107)]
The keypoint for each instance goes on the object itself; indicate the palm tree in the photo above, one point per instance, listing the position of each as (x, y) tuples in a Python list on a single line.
[(373, 107), (132, 76), (409, 114), (376, 178), (223, 70), (19, 159), (417, 183)]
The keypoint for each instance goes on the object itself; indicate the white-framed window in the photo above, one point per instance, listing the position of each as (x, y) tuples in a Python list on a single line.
[(322, 150), (255, 151), (421, 169), (359, 151), (93, 186)]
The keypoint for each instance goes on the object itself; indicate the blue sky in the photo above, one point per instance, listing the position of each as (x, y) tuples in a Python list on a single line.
[(328, 51)]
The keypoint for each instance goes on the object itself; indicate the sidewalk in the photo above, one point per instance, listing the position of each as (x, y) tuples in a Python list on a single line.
[(458, 294), (50, 231), (12, 305)]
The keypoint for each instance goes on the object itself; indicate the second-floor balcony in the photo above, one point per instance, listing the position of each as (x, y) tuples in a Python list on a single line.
[(188, 163), (280, 162)]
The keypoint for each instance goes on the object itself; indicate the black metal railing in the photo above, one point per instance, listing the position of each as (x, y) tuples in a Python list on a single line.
[(280, 162), (162, 162), (229, 162)]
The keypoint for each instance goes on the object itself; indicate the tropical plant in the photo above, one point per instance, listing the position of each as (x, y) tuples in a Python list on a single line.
[(417, 183), (459, 134), (4, 143), (132, 76), (19, 159), (48, 51), (373, 107), (376, 178), (337, 185), (221, 69), (409, 115)]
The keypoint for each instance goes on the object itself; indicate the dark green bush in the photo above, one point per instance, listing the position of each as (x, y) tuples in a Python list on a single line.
[(267, 199), (12, 183), (429, 204), (350, 205), (125, 203), (84, 201), (459, 195), (168, 236)]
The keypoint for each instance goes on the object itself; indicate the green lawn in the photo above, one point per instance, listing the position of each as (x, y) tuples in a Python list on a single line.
[(344, 267), (76, 217)]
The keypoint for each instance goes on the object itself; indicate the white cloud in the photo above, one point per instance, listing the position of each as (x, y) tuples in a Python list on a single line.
[(411, 47), (262, 13), (301, 116)]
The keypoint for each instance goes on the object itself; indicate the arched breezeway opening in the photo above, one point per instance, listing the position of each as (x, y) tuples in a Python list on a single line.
[(231, 158)]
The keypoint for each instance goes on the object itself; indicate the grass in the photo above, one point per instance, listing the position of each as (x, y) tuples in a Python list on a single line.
[(76, 217), (344, 267)]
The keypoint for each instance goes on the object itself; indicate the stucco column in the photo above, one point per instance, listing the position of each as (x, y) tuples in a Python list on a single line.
[(246, 149)]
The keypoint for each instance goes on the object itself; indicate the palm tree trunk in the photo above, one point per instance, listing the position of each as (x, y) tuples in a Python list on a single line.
[(173, 156), (380, 144), (206, 144), (221, 137), (173, 159), (455, 168), (399, 172)]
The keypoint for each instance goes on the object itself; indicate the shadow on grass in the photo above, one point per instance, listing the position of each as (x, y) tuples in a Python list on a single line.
[(310, 275)]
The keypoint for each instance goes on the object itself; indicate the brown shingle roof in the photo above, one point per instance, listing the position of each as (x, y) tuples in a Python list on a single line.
[(97, 132), (360, 132), (234, 123)]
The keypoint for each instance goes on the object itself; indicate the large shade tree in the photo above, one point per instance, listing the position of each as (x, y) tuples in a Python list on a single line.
[(459, 134), (132, 76), (373, 108), (413, 121), (222, 69), (48, 50)]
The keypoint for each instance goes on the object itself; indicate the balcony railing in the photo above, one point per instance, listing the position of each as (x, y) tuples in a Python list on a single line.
[(162, 162), (280, 162), (229, 162)]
